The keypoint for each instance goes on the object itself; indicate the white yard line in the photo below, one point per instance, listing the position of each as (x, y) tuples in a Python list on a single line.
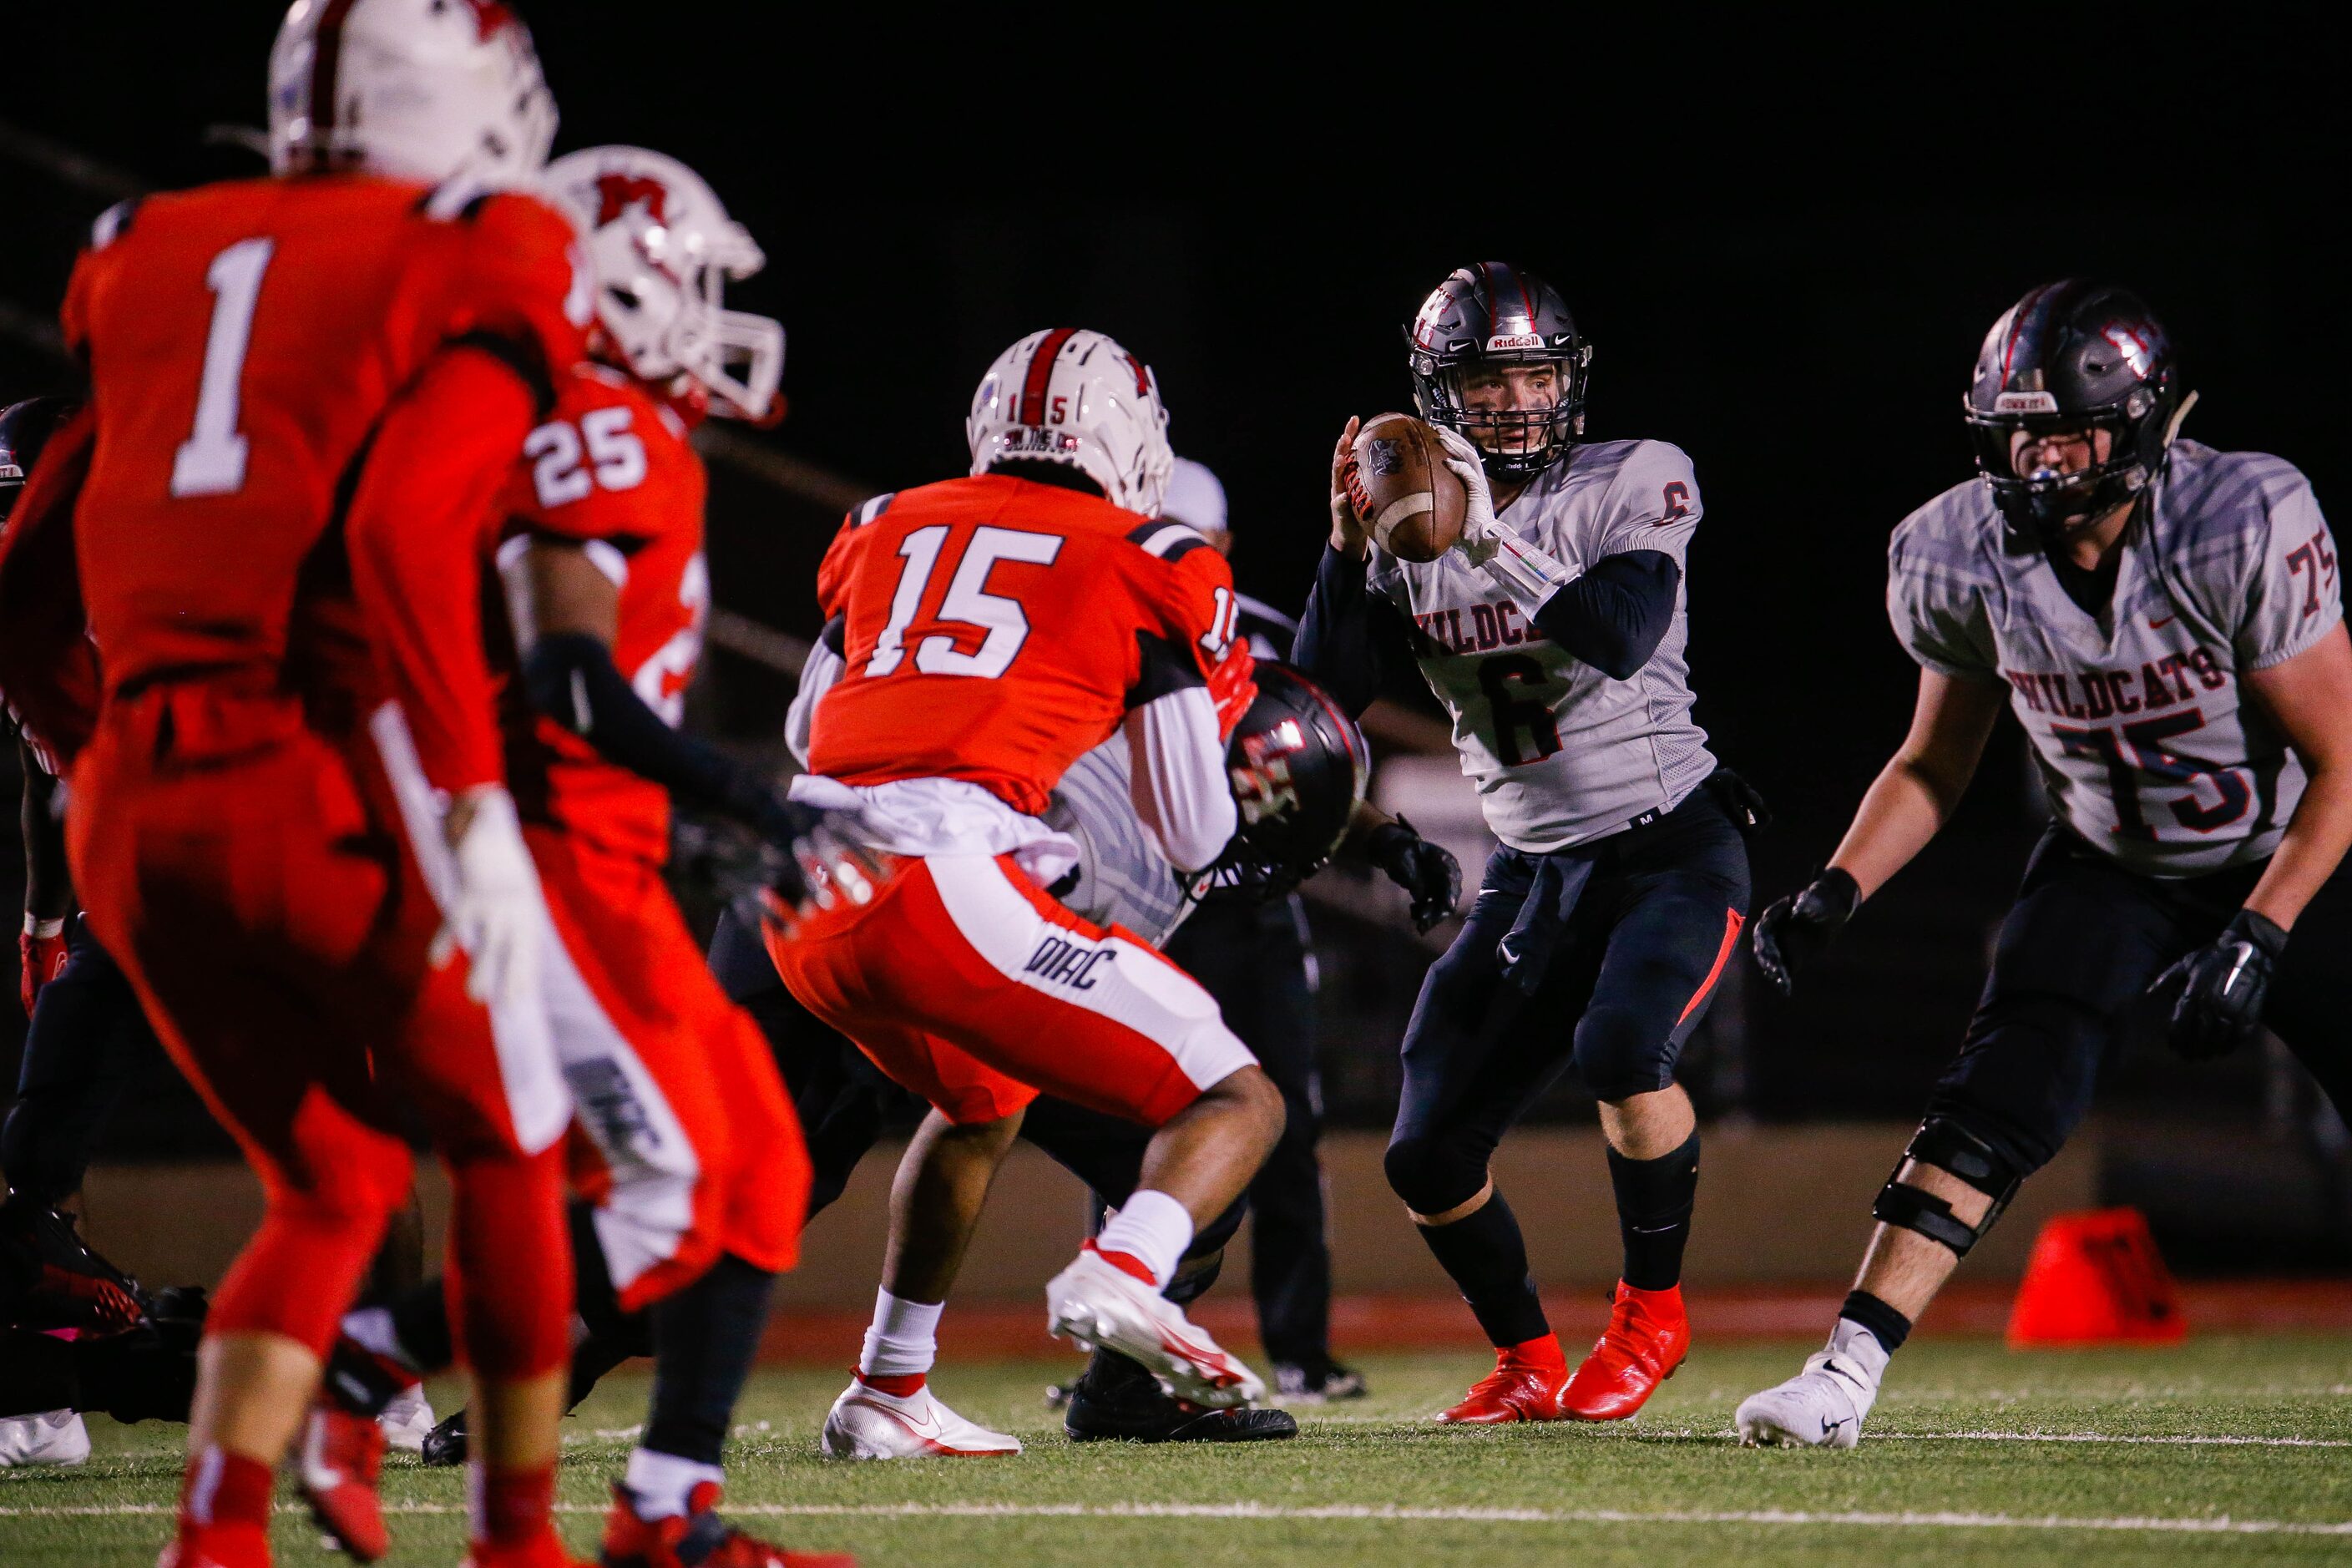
[(1727, 1435), (2130, 1524)]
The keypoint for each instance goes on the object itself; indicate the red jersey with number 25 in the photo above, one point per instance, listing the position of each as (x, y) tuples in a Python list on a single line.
[(612, 471), (994, 629)]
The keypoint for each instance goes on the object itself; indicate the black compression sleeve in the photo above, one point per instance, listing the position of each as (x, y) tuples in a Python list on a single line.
[(1614, 616), (572, 679), (1340, 636)]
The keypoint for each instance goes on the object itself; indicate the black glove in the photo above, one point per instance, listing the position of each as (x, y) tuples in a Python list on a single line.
[(1423, 869), (1741, 800), (1798, 929), (2222, 987)]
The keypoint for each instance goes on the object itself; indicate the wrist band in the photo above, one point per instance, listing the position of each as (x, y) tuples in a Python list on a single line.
[(40, 929)]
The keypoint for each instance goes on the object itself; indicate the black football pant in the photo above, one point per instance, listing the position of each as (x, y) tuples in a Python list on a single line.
[(89, 1039), (1254, 959), (1604, 956), (2070, 973)]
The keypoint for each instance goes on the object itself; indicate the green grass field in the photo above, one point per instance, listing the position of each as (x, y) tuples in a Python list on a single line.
[(2226, 1450)]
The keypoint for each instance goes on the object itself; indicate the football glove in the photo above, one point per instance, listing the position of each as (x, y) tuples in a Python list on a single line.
[(1524, 569), (2224, 985), (494, 914), (41, 947), (1426, 870), (1796, 931)]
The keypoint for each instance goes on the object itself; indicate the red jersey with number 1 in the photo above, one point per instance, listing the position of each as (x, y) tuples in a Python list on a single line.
[(612, 471), (995, 629), (244, 339)]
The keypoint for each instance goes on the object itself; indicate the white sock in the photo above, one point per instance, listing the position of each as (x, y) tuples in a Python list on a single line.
[(904, 1340), (371, 1328), (1152, 1229), (662, 1482)]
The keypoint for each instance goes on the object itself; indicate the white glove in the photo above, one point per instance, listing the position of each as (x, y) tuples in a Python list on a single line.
[(1479, 524), (494, 912), (1523, 570)]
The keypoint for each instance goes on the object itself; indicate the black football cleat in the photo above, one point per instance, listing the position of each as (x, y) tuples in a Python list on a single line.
[(1317, 1381), (1115, 1400), (51, 1279), (446, 1443)]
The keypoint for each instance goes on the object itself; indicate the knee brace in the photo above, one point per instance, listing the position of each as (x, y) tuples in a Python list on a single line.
[(1433, 1175), (1949, 1147)]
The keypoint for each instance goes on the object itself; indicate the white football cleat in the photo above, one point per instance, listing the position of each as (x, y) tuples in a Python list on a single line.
[(867, 1423), (1099, 1306), (53, 1438), (1824, 1406), (406, 1420)]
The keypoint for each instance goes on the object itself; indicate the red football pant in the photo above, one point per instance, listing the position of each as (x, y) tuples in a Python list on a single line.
[(684, 1137), (253, 883), (965, 982)]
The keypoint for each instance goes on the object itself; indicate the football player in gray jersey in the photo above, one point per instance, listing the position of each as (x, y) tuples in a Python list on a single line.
[(1554, 636), (2166, 622)]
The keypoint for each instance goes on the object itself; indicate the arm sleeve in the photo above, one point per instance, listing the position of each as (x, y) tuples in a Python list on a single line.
[(1181, 791), (1614, 616), (416, 532), (573, 679), (1346, 632), (824, 667), (2295, 594), (48, 667)]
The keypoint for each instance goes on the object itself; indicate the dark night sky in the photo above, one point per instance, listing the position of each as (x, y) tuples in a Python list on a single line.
[(1785, 240)]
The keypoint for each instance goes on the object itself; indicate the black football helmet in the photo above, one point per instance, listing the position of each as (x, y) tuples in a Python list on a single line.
[(24, 429), (2072, 356), (1494, 313), (1298, 766)]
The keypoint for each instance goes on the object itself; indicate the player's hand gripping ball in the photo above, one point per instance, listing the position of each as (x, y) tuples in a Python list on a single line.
[(1399, 482)]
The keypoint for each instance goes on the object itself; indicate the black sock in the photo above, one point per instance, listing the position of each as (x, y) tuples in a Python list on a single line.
[(420, 1322), (1654, 1212), (604, 1350), (1488, 1257), (705, 1337), (1891, 1327)]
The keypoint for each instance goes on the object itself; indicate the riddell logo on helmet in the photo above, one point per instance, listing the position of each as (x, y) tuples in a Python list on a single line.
[(1514, 341), (2025, 403)]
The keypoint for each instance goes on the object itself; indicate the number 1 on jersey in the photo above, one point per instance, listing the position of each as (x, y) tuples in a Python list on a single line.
[(211, 461), (967, 600)]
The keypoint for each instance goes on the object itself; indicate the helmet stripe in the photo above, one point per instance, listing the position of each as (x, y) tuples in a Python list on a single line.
[(1041, 371), (326, 64)]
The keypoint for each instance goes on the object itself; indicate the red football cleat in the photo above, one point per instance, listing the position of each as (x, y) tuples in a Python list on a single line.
[(1524, 1386), (698, 1538), (342, 1457), (1647, 1337), (544, 1551), (217, 1546)]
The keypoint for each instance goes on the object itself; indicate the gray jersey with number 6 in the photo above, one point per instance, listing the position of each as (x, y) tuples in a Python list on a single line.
[(2145, 739), (1559, 751)]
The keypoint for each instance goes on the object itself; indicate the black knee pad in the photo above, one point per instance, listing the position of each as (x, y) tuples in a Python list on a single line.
[(1619, 1055), (1949, 1147), (1431, 1175)]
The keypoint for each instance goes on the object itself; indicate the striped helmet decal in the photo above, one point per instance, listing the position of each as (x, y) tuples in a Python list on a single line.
[(1041, 371)]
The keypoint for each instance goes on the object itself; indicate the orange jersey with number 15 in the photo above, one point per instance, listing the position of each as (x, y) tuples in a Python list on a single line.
[(995, 629), (612, 472)]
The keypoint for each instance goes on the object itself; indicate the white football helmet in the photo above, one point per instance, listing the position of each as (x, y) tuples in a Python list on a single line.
[(414, 89), (663, 248), (1072, 396)]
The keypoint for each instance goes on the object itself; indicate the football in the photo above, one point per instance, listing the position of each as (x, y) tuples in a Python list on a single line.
[(1400, 484)]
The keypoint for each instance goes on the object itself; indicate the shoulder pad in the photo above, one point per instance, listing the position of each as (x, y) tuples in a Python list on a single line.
[(866, 511), (1171, 541), (113, 222)]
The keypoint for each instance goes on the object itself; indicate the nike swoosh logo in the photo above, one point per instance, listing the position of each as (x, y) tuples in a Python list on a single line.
[(1829, 1427), (930, 1429), (2156, 625)]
